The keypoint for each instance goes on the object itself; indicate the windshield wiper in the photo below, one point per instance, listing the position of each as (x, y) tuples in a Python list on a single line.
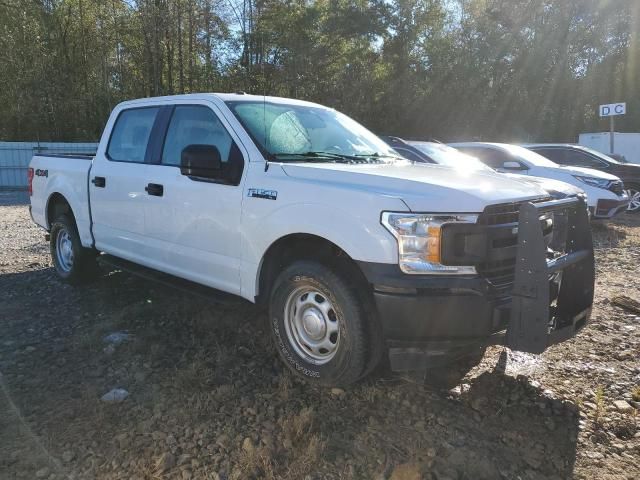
[(331, 157), (313, 157), (378, 155)]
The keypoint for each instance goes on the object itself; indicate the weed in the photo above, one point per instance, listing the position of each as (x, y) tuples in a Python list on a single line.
[(635, 393), (600, 405)]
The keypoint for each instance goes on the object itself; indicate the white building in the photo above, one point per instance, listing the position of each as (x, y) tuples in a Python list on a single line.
[(626, 144)]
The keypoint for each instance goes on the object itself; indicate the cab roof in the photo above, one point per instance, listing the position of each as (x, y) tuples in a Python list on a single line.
[(225, 97)]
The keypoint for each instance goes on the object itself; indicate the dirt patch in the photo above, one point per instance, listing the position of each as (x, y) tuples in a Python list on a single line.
[(208, 397)]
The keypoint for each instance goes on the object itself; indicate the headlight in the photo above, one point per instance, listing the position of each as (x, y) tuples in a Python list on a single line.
[(594, 182), (419, 241)]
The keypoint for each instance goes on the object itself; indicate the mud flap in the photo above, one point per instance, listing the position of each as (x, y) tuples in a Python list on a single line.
[(533, 322)]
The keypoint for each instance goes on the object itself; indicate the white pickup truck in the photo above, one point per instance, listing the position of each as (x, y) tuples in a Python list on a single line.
[(358, 253)]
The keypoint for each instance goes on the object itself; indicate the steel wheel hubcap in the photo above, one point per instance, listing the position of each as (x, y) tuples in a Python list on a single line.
[(634, 199), (311, 324), (64, 250)]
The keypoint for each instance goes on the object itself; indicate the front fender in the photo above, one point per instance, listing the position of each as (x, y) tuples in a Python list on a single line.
[(359, 234)]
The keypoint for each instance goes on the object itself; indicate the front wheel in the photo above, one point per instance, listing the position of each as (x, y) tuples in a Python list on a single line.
[(73, 263), (318, 324), (633, 192)]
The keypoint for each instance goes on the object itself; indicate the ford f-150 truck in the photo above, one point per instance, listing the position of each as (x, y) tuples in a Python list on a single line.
[(357, 253)]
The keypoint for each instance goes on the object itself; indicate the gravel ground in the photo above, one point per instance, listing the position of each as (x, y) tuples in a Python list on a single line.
[(207, 397)]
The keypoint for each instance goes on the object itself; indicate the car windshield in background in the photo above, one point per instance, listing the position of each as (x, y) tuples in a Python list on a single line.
[(290, 132), (449, 156), (527, 155)]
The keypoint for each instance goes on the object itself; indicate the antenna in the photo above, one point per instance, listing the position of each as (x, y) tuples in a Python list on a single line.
[(264, 102)]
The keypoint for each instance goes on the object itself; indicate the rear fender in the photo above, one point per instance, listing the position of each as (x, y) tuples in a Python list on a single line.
[(77, 198)]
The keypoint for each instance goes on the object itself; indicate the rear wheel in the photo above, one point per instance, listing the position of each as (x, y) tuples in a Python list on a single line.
[(318, 324), (73, 263), (633, 192)]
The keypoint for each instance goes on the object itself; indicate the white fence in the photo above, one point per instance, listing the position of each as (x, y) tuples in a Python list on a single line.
[(15, 157)]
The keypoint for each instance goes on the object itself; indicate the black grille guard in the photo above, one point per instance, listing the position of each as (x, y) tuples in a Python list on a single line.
[(534, 324)]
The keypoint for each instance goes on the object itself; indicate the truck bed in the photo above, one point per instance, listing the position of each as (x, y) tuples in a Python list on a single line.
[(68, 175), (74, 155)]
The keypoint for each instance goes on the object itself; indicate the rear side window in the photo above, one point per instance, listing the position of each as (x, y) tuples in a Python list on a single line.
[(489, 156), (130, 134)]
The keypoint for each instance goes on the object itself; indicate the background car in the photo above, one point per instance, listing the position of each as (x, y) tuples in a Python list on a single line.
[(579, 156), (442, 154), (605, 192)]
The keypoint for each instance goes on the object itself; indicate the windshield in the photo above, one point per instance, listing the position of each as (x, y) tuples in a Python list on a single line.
[(449, 156), (527, 155), (288, 132)]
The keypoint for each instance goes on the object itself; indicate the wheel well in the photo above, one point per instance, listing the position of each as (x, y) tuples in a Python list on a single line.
[(56, 206), (302, 246)]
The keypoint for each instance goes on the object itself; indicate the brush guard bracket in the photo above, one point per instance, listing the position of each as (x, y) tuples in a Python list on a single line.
[(534, 323)]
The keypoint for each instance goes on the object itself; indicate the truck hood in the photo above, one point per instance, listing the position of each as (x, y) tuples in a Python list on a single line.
[(584, 172), (422, 187)]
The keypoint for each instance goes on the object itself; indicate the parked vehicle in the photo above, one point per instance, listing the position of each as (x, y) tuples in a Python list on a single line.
[(356, 252), (441, 154), (605, 193), (579, 156)]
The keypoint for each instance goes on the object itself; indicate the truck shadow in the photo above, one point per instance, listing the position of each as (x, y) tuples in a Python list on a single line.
[(209, 377)]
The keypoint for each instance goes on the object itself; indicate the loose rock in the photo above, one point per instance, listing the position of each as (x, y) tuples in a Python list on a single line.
[(622, 406), (116, 395)]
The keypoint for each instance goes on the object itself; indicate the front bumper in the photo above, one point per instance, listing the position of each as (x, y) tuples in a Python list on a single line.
[(432, 321), (608, 208)]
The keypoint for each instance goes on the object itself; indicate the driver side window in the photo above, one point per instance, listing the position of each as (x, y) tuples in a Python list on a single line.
[(493, 158), (199, 125)]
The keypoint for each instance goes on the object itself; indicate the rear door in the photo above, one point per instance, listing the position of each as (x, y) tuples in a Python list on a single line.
[(117, 184), (193, 225)]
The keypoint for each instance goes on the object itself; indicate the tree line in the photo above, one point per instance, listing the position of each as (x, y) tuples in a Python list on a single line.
[(510, 70)]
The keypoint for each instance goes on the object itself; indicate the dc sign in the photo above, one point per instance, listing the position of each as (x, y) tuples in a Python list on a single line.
[(613, 109)]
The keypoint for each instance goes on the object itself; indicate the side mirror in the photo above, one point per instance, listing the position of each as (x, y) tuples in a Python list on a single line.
[(510, 165), (200, 161)]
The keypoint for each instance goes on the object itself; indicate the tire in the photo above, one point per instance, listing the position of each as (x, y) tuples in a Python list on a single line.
[(633, 191), (74, 264), (318, 324)]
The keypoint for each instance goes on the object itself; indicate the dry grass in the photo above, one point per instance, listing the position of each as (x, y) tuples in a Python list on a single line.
[(599, 399), (302, 452), (635, 393)]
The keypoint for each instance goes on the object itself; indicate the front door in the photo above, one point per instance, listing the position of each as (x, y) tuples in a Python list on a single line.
[(117, 185), (192, 227)]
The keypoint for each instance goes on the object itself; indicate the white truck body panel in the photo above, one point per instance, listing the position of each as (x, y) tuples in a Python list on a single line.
[(69, 178), (118, 211)]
